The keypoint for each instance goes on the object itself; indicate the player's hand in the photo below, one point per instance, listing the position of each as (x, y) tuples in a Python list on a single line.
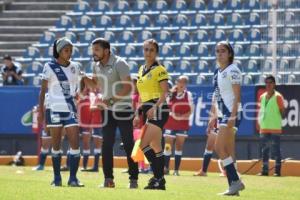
[(231, 122), (136, 122), (151, 113)]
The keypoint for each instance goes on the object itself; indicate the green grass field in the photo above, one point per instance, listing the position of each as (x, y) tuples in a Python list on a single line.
[(22, 183)]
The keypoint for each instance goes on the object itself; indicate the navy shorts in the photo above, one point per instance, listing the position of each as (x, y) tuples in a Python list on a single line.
[(61, 119)]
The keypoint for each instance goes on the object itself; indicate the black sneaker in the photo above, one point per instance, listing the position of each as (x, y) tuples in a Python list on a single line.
[(108, 183), (133, 184), (156, 184), (75, 183), (56, 183), (263, 174), (92, 170)]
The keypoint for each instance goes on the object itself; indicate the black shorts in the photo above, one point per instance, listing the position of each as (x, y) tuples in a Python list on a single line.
[(162, 113)]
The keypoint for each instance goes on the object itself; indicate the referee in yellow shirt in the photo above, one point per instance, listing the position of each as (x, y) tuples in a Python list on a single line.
[(153, 88)]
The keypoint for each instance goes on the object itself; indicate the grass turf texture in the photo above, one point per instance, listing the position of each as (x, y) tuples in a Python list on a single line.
[(23, 183)]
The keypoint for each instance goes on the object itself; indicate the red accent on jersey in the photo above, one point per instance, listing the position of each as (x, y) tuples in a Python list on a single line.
[(178, 107)]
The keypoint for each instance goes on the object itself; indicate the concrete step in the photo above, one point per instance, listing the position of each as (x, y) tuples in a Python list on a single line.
[(28, 21), (12, 52), (20, 37), (16, 44), (41, 6), (33, 13), (23, 29)]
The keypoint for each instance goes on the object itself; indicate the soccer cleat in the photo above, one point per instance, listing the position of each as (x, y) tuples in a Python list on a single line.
[(56, 183), (156, 184), (83, 169), (125, 171), (38, 168), (234, 188), (108, 183), (176, 173), (200, 173), (75, 183), (133, 184), (277, 174), (92, 170), (226, 194), (263, 174)]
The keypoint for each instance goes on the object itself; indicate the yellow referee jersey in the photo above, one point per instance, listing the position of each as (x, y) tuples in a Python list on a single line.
[(148, 82)]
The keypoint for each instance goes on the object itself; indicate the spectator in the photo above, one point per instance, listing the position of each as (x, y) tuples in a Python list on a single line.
[(11, 73)]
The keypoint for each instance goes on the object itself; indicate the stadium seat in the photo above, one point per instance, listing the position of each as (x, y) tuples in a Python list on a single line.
[(234, 19), (32, 53), (101, 7), (289, 34), (126, 37), (253, 19), (284, 65), (64, 23), (287, 51), (236, 36), (110, 36), (161, 21), (234, 5), (87, 52), (180, 21), (128, 51), (247, 79), (133, 66), (88, 37), (267, 66), (82, 7), (168, 65), (36, 67), (218, 35), (238, 50), (253, 50), (75, 52), (143, 35), (183, 51), (71, 36), (252, 66), (200, 36), (166, 51), (84, 22), (254, 35), (122, 22), (205, 79), (163, 36), (179, 5), (140, 6), (183, 66), (197, 5), (201, 51), (103, 23), (47, 54), (199, 21), (47, 38), (251, 5), (120, 7), (215, 5), (217, 20), (159, 6), (142, 21), (291, 4), (182, 36), (201, 67)]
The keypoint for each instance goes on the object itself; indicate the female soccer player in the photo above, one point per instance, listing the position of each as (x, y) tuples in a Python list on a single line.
[(177, 126), (61, 78), (227, 83), (153, 88)]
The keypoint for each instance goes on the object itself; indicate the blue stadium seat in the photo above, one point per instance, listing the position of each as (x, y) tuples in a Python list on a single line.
[(75, 52), (64, 23), (234, 5), (238, 50), (215, 5), (201, 51), (32, 52), (287, 50), (179, 5), (289, 34), (199, 20), (133, 66), (83, 22), (254, 35), (247, 79), (87, 52), (197, 5), (236, 36), (181, 21), (251, 5), (183, 51), (253, 50), (121, 7), (201, 66), (162, 21), (101, 7), (82, 7), (128, 51), (183, 66), (234, 19), (218, 35), (205, 79), (253, 19), (103, 23), (110, 36), (36, 67), (166, 51), (34, 81), (126, 37), (144, 35), (159, 5), (71, 36), (182, 36), (200, 36), (168, 65), (124, 21), (217, 20), (48, 53), (284, 65), (142, 21), (163, 36), (141, 6), (290, 17), (252, 66), (267, 66), (47, 38), (88, 37)]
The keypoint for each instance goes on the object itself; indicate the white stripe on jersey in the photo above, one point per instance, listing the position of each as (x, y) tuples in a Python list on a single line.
[(56, 98)]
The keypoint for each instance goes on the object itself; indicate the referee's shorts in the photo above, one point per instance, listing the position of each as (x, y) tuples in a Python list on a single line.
[(162, 113)]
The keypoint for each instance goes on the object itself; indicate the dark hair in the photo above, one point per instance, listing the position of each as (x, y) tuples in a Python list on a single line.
[(154, 42), (102, 42), (229, 48), (55, 53), (7, 57), (271, 78)]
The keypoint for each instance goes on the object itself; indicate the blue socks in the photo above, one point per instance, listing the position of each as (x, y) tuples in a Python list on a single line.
[(231, 172), (206, 160), (56, 160), (74, 163), (178, 155)]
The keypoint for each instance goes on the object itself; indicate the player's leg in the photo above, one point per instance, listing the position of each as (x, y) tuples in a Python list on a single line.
[(86, 138), (169, 141), (179, 142), (45, 146), (56, 154), (97, 139)]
